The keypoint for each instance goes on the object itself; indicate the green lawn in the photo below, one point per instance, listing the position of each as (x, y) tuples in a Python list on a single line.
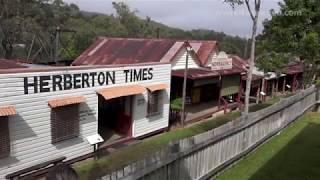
[(292, 155), (92, 169)]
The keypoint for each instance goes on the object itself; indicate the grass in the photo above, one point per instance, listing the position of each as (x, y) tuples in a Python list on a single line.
[(270, 102), (294, 155), (93, 169)]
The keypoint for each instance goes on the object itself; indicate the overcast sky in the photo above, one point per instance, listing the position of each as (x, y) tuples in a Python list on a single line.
[(189, 14)]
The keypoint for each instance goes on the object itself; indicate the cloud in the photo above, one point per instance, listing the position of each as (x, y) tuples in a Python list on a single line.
[(189, 14)]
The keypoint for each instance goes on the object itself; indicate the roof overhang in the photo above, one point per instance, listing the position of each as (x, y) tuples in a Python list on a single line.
[(7, 110), (157, 87), (65, 101), (119, 91)]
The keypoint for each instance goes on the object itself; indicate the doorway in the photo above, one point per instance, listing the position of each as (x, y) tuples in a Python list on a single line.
[(114, 118)]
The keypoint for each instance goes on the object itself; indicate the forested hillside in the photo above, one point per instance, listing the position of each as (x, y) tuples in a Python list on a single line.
[(51, 30)]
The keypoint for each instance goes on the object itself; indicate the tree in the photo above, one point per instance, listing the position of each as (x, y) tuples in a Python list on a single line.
[(134, 25), (295, 29), (253, 9)]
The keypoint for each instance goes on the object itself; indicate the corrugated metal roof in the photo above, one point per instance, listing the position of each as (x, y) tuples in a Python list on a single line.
[(124, 51), (204, 50), (7, 110), (131, 51), (157, 87), (10, 64), (207, 73), (66, 101), (294, 68), (119, 91), (233, 70), (196, 73), (254, 77), (239, 62)]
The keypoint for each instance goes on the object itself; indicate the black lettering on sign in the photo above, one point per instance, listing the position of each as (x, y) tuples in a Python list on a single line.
[(76, 81), (111, 77), (126, 74), (101, 78), (56, 81), (67, 81), (27, 85), (145, 71), (44, 84), (85, 80), (137, 75), (93, 75), (150, 73)]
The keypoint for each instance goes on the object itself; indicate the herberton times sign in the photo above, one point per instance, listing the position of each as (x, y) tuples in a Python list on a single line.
[(60, 82)]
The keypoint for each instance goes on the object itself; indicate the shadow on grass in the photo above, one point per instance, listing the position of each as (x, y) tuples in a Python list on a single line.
[(298, 160)]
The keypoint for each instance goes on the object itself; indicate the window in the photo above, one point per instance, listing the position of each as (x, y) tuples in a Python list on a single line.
[(4, 137), (65, 123), (154, 107)]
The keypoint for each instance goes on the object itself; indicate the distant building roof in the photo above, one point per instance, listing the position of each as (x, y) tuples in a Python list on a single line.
[(204, 49), (199, 73), (239, 62), (131, 51), (196, 73), (10, 64), (294, 68)]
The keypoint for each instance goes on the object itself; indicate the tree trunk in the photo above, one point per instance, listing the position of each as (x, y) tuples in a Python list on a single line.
[(8, 48), (251, 62)]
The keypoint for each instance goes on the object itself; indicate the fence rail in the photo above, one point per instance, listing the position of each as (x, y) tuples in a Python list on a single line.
[(201, 156)]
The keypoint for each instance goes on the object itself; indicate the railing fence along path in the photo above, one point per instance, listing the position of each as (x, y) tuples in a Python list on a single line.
[(201, 156)]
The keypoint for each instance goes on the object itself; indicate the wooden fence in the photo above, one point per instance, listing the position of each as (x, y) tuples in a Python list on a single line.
[(201, 156)]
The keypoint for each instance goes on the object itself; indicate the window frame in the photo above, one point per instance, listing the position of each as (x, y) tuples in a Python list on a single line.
[(158, 105), (63, 119)]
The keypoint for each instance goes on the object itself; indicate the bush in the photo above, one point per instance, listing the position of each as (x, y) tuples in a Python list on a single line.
[(318, 83), (176, 104)]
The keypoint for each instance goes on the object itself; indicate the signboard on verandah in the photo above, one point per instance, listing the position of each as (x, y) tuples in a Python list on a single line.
[(221, 62)]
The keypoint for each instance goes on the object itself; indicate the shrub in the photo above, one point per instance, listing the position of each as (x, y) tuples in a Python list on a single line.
[(176, 104)]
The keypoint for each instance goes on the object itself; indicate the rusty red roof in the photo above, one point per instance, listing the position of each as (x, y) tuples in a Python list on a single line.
[(131, 51), (124, 51), (294, 68), (196, 73), (255, 77), (10, 64), (204, 49), (243, 64), (237, 67), (239, 62), (206, 72)]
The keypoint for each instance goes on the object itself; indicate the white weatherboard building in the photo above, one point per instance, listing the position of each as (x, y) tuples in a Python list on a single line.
[(47, 113)]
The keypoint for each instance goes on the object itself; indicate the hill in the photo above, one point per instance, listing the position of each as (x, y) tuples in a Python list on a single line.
[(29, 30)]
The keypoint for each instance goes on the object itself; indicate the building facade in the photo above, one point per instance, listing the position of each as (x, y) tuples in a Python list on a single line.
[(47, 113)]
